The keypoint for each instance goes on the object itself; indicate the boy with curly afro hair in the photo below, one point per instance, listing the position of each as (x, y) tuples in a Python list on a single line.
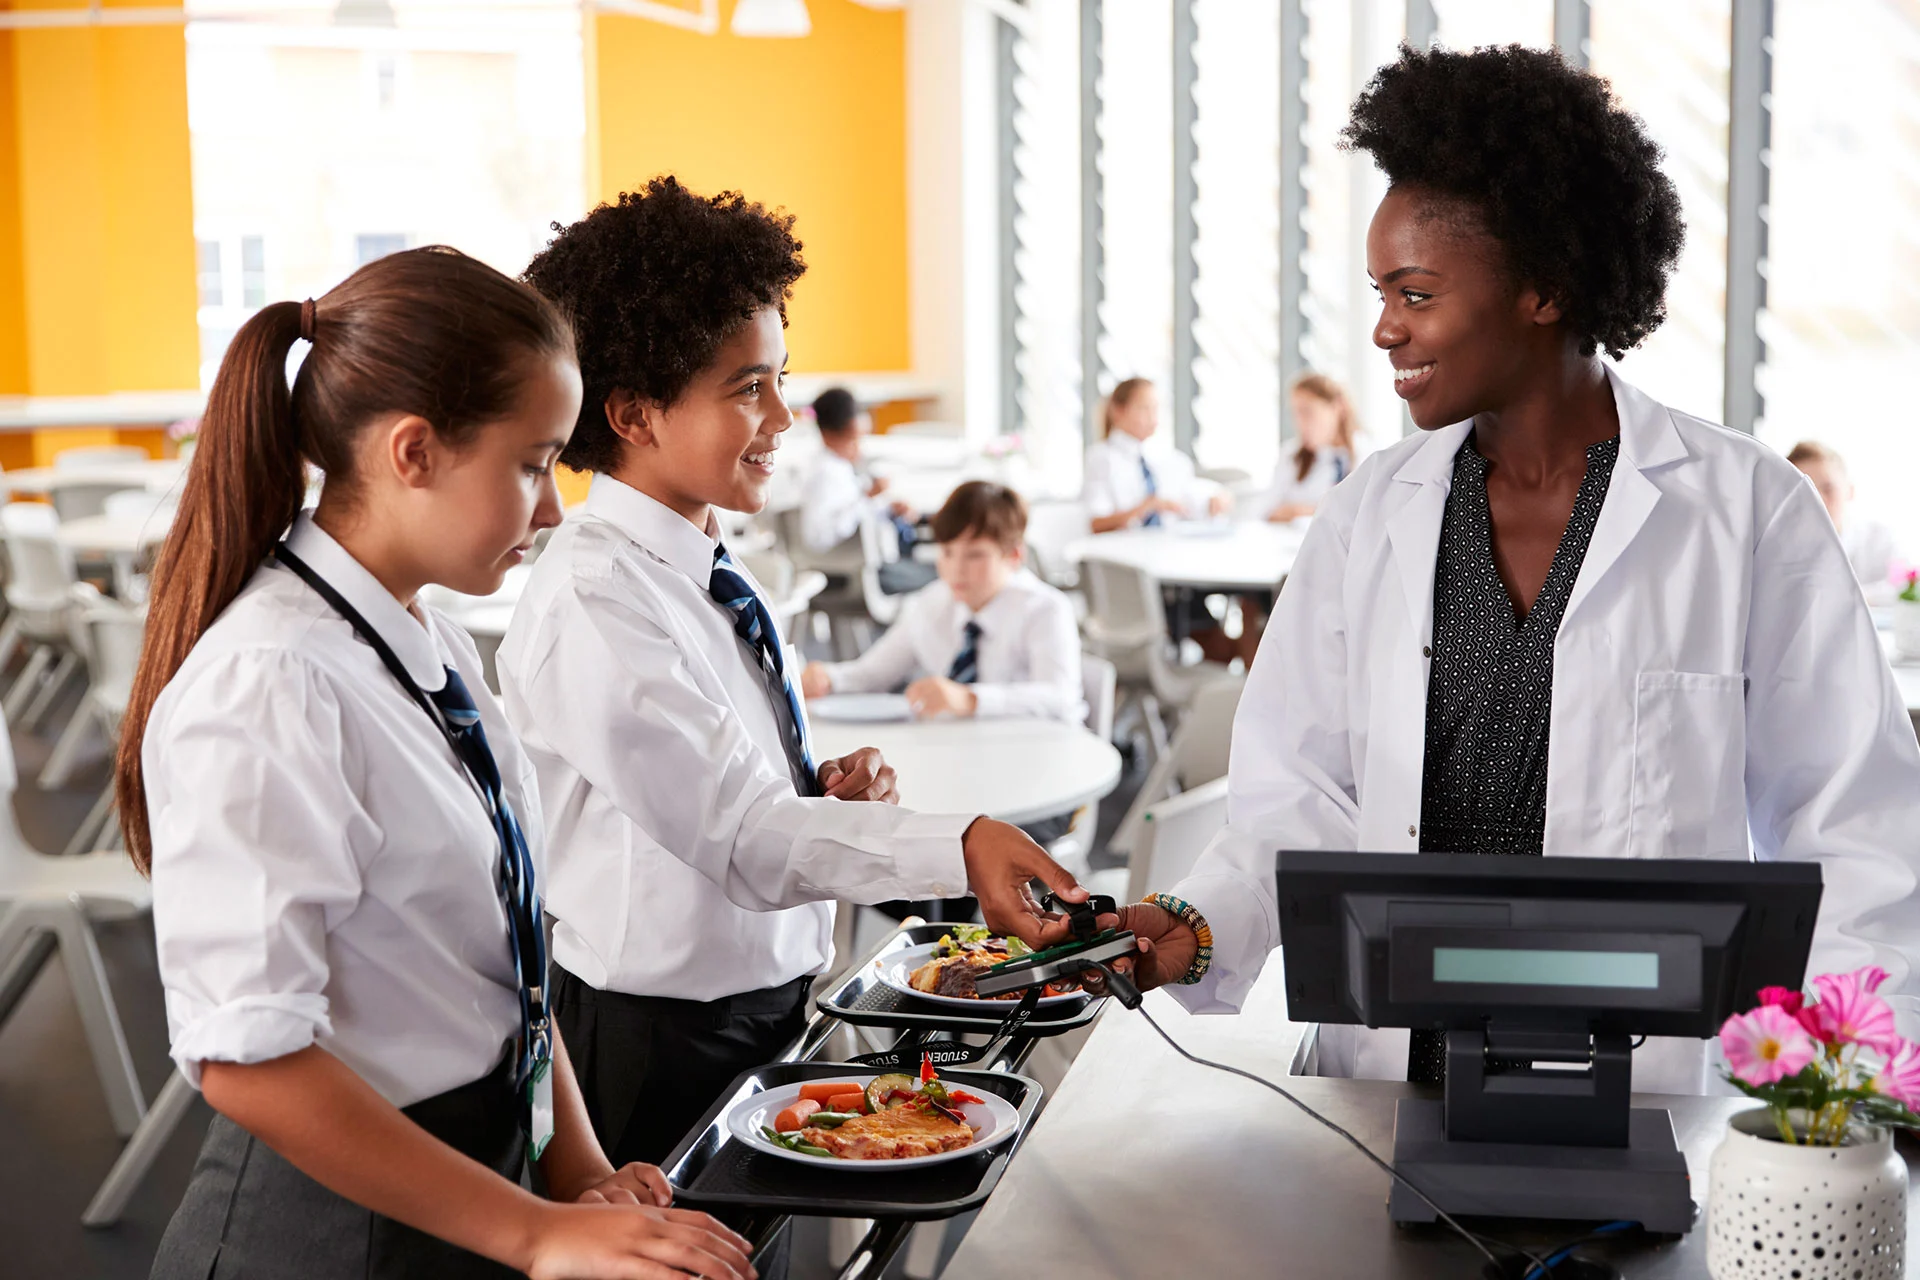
[(696, 845), (1560, 617)]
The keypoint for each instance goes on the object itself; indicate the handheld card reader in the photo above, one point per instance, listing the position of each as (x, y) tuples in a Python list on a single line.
[(1091, 950)]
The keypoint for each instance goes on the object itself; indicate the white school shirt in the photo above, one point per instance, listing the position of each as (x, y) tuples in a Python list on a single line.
[(1029, 650), (1288, 486), (1718, 692), (1114, 483), (323, 868), (684, 862), (833, 502)]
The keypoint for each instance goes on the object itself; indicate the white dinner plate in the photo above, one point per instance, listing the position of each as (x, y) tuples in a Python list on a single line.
[(994, 1121), (896, 971), (861, 708)]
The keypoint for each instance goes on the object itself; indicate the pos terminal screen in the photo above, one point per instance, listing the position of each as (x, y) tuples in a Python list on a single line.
[(1534, 967)]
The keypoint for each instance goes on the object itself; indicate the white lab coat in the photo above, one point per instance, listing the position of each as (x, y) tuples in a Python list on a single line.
[(1718, 692)]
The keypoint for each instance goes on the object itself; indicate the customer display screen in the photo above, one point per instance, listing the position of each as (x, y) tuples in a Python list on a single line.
[(1504, 966)]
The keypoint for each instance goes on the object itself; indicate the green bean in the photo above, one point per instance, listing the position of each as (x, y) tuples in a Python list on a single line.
[(831, 1119), (807, 1149)]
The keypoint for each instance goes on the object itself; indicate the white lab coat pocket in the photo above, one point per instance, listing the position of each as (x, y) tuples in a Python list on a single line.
[(1689, 766)]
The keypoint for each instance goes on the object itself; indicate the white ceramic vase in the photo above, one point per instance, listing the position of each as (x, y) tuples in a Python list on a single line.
[(1785, 1212), (1906, 629)]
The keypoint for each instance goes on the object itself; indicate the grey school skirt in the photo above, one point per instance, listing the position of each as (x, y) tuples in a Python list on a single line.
[(248, 1213)]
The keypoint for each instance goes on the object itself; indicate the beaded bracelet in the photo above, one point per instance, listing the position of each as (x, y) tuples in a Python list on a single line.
[(1203, 935)]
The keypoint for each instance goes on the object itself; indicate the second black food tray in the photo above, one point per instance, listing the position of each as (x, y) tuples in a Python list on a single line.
[(711, 1169)]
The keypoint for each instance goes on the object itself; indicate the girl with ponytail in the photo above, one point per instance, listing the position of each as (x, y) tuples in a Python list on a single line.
[(343, 835)]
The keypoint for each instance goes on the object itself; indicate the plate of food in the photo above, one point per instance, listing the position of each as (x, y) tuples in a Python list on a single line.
[(873, 1121), (944, 971), (860, 708)]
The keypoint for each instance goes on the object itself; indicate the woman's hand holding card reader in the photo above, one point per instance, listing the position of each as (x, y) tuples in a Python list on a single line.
[(1092, 950)]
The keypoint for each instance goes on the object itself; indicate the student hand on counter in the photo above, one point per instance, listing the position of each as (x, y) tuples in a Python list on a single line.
[(1219, 504), (814, 680), (937, 695), (576, 1240), (1002, 864), (864, 775)]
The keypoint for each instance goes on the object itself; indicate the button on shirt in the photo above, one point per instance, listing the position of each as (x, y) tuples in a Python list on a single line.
[(1114, 482), (684, 863), (323, 870), (1028, 652)]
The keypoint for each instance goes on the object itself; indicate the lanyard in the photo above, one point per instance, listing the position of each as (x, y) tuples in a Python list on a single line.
[(530, 950)]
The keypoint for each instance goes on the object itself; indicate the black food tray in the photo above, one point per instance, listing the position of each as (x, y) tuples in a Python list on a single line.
[(861, 998), (711, 1169)]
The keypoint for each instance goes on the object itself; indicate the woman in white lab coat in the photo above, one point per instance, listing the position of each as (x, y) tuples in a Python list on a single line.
[(1563, 618)]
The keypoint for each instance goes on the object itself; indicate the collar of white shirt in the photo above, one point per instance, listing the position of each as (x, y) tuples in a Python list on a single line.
[(660, 530), (404, 633), (1125, 445)]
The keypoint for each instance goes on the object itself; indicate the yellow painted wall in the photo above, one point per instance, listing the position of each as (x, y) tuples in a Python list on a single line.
[(97, 286), (815, 125)]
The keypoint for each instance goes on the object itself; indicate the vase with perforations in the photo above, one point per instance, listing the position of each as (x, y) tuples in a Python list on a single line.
[(1805, 1211)]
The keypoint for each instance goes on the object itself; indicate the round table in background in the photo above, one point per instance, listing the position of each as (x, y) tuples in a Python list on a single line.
[(1241, 556), (159, 475), (1016, 770)]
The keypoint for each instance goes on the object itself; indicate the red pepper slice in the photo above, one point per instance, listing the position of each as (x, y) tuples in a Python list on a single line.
[(962, 1096), (926, 1067)]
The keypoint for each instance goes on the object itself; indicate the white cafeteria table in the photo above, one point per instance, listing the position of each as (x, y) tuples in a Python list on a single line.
[(1016, 770), (1226, 556)]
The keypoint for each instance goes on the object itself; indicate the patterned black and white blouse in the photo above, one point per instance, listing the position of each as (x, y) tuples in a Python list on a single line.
[(1490, 686)]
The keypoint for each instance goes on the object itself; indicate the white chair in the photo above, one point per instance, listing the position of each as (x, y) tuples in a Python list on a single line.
[(41, 577), (50, 903), (1052, 527), (1197, 755), (853, 601), (1074, 847), (108, 634), (1127, 625), (85, 499), (1173, 835)]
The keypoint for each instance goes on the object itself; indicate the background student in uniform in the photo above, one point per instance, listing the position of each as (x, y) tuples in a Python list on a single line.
[(1564, 619), (1324, 453), (841, 492), (989, 639), (697, 846), (1868, 543), (348, 923), (1125, 488)]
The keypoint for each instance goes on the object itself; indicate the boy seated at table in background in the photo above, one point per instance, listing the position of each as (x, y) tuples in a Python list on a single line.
[(988, 639), (841, 492)]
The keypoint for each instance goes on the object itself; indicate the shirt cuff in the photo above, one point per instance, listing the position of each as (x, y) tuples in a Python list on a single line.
[(251, 1029), (927, 857), (990, 701), (1241, 943)]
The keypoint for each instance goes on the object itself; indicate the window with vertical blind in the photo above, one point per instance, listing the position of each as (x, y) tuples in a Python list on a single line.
[(1668, 62), (1842, 322)]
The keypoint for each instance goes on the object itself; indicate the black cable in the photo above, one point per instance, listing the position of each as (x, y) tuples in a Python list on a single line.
[(1478, 1242), (1560, 1253)]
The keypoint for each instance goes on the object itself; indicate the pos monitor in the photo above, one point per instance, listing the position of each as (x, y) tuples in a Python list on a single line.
[(1540, 971)]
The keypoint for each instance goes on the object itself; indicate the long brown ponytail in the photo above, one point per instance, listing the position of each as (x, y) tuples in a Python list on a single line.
[(427, 331)]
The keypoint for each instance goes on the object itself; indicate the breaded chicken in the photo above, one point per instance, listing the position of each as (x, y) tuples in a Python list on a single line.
[(894, 1134)]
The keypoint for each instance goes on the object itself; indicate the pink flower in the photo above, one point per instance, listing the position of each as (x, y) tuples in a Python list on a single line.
[(1766, 1045), (1849, 1013), (1782, 998), (1899, 1079)]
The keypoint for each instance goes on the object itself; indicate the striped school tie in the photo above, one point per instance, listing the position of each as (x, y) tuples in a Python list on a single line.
[(518, 892), (1146, 473), (966, 663), (753, 623)]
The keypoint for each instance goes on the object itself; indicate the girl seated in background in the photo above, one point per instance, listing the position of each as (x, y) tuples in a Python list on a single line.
[(344, 837), (1126, 489), (1323, 455)]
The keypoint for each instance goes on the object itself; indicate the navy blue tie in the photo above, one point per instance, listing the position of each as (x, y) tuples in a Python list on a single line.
[(518, 892), (753, 623), (966, 663), (1153, 490), (1339, 468)]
